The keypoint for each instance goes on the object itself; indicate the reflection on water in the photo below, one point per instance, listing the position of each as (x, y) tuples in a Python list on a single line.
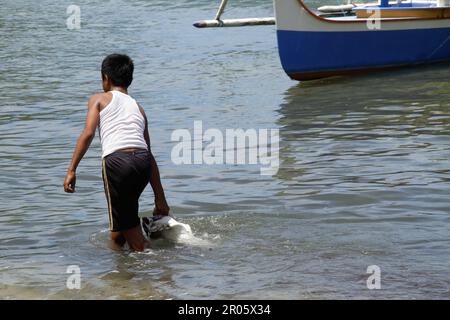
[(363, 179), (364, 163)]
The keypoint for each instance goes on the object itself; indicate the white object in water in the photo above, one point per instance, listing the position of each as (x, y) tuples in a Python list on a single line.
[(167, 227)]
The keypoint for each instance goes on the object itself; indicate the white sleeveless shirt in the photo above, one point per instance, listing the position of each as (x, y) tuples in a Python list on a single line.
[(121, 125)]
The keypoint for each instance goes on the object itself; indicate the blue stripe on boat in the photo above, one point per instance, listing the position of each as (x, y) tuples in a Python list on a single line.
[(305, 51)]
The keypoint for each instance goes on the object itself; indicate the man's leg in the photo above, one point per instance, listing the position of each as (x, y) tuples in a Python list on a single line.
[(118, 238), (127, 174), (135, 239)]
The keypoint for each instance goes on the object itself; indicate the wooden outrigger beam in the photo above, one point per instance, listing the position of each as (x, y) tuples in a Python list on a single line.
[(235, 22), (218, 23)]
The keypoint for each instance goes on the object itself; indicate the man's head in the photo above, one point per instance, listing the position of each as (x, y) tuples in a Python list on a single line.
[(117, 71)]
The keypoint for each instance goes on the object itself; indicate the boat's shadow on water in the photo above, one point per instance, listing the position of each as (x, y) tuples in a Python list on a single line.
[(422, 72), (406, 90)]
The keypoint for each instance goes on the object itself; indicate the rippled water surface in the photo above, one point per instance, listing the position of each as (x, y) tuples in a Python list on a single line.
[(363, 180)]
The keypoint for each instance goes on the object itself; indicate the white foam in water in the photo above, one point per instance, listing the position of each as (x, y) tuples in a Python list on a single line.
[(175, 231), (171, 229)]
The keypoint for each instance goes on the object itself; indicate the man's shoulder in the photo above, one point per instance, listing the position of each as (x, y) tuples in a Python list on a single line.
[(100, 99)]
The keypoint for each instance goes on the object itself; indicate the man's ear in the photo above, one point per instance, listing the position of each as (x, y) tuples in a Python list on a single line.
[(105, 82)]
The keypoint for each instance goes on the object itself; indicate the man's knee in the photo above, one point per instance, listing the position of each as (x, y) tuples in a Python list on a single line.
[(118, 238), (135, 239), (137, 246)]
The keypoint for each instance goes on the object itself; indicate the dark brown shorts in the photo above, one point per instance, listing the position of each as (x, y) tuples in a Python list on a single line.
[(125, 176)]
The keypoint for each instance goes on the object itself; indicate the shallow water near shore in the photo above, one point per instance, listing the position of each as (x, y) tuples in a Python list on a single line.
[(363, 179)]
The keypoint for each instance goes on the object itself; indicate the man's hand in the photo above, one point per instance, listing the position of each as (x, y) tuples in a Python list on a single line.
[(85, 139), (69, 182), (161, 207)]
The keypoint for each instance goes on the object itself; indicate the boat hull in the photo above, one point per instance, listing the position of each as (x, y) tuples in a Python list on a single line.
[(311, 47)]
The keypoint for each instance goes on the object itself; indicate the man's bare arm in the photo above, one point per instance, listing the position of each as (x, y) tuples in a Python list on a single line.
[(83, 143), (155, 179)]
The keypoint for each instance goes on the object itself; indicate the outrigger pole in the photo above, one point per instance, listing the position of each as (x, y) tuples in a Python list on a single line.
[(222, 6), (217, 22)]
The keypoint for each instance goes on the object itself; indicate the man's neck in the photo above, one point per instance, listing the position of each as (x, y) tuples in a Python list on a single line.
[(121, 89)]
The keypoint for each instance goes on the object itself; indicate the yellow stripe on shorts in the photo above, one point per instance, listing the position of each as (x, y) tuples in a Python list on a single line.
[(108, 197)]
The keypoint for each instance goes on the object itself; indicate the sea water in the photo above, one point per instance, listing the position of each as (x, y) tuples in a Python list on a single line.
[(363, 178)]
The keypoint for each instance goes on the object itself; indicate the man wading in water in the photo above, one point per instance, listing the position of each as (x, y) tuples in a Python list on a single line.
[(128, 164)]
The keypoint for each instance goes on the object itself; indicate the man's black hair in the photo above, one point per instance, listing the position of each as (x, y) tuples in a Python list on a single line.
[(119, 69)]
